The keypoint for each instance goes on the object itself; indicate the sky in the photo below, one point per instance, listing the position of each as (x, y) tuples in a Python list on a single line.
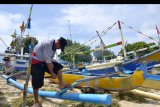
[(50, 21)]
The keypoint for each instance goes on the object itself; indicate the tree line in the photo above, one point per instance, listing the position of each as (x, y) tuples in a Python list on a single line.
[(80, 52)]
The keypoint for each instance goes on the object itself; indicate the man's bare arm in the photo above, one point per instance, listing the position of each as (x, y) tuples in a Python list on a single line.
[(50, 67)]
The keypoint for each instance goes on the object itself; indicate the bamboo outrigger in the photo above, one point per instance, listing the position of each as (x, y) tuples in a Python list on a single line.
[(105, 99)]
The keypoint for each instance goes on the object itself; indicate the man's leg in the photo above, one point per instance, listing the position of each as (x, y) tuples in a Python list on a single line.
[(57, 69), (37, 102), (61, 82), (37, 81), (35, 91)]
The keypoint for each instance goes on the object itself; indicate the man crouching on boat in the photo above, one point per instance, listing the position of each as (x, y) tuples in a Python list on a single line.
[(9, 67), (42, 62)]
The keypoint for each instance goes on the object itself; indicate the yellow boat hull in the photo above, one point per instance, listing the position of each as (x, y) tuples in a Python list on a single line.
[(153, 84), (109, 83), (152, 56), (150, 83)]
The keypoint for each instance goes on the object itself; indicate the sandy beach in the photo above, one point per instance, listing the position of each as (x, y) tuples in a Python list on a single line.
[(9, 96)]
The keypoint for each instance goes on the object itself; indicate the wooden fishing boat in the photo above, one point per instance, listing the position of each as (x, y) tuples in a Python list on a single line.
[(103, 65), (153, 56), (119, 82), (116, 82), (151, 59), (20, 62)]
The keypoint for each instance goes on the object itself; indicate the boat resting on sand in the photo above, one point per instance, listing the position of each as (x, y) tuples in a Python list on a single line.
[(151, 59), (126, 82), (131, 64), (153, 56), (107, 64), (115, 82), (152, 81)]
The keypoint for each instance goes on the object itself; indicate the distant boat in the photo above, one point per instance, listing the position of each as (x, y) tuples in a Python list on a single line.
[(151, 59), (104, 65), (20, 61)]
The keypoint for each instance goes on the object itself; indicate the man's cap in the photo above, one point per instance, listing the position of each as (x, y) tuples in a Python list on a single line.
[(6, 59), (63, 43)]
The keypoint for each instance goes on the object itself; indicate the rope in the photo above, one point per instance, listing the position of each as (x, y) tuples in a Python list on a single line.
[(139, 32), (101, 34), (3, 42), (104, 32)]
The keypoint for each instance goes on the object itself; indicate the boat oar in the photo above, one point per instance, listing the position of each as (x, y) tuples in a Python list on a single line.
[(85, 80)]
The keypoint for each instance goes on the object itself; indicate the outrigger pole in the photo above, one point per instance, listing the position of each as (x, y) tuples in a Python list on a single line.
[(105, 99)]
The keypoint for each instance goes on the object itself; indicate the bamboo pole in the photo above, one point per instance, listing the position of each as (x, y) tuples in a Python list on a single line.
[(158, 36), (28, 70), (123, 44), (105, 99), (146, 94)]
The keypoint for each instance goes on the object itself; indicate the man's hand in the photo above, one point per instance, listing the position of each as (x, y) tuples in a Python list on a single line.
[(50, 67), (54, 76)]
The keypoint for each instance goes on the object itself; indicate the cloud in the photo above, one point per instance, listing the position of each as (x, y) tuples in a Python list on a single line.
[(153, 9), (85, 19), (89, 17), (9, 21)]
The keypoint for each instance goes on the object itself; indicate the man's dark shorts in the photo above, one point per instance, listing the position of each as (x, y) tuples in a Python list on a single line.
[(38, 70)]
